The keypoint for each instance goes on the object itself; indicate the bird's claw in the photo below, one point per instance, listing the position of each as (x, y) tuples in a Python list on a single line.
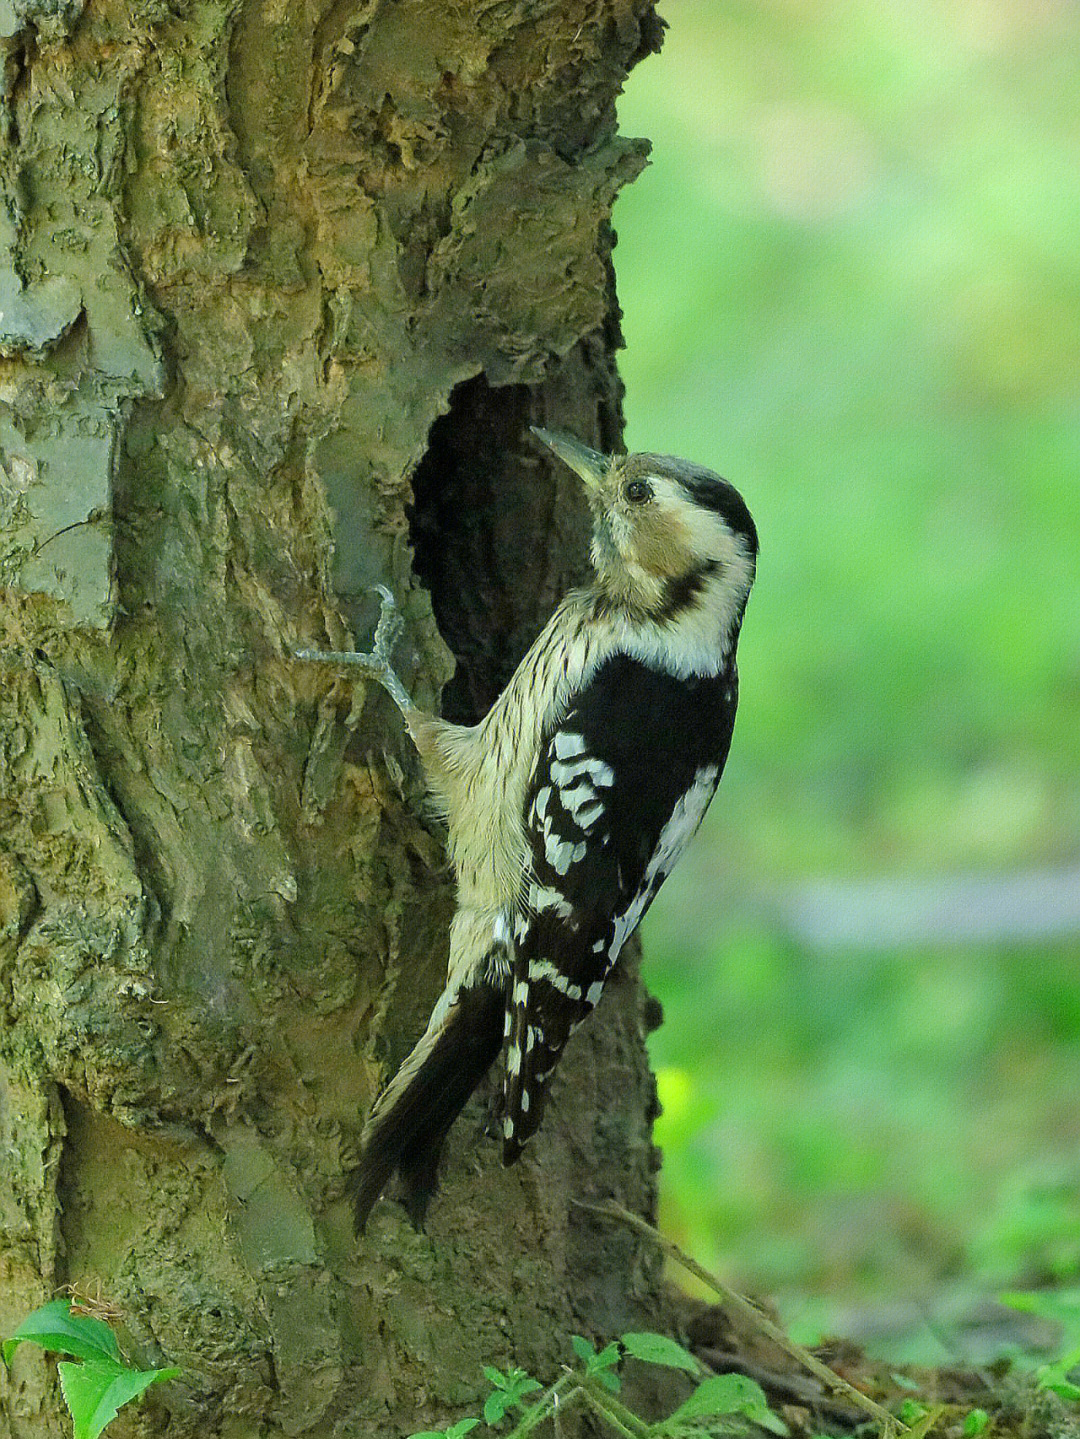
[(389, 627), (374, 663)]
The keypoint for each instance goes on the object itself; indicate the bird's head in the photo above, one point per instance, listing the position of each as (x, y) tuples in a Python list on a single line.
[(667, 535)]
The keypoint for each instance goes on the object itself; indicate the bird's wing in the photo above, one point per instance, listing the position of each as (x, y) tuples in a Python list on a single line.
[(618, 791)]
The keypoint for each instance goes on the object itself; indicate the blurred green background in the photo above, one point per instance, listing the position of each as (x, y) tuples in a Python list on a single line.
[(851, 283)]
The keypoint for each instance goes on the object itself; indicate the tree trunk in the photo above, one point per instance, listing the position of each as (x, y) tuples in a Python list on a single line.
[(282, 288)]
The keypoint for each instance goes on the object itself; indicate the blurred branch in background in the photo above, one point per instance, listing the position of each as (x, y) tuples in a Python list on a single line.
[(852, 284)]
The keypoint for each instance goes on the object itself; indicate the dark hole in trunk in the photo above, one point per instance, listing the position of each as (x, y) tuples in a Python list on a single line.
[(490, 545)]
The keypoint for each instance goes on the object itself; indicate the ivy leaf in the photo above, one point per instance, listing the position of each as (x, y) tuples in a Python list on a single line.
[(495, 1376), (659, 1349), (56, 1329), (610, 1381), (96, 1390), (462, 1427)]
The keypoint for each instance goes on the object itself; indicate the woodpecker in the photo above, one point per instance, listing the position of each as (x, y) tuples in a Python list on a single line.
[(571, 801)]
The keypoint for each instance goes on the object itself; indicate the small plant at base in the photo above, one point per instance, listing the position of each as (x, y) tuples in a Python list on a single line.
[(720, 1401), (1062, 1306), (100, 1384)]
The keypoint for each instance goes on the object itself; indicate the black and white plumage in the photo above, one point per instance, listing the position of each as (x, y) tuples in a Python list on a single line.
[(572, 800), (619, 791)]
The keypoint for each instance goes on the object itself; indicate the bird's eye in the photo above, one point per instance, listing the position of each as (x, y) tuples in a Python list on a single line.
[(638, 491)]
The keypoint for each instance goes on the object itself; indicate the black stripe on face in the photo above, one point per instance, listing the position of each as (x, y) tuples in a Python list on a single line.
[(679, 594), (712, 493), (704, 487)]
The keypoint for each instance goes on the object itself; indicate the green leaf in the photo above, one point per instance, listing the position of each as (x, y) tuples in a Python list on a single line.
[(975, 1423), (659, 1349), (1058, 1384), (495, 1406), (96, 1390), (911, 1411), (766, 1419), (610, 1381), (723, 1394), (607, 1358), (462, 1427), (1060, 1305), (429, 1434), (57, 1330), (495, 1376), (582, 1348)]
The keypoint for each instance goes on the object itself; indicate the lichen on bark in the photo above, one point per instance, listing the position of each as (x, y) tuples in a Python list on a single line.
[(288, 285)]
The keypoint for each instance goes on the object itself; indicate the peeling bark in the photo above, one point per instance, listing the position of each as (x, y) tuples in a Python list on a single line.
[(282, 289)]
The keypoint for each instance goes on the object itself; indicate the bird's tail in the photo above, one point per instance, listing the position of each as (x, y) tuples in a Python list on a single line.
[(412, 1117)]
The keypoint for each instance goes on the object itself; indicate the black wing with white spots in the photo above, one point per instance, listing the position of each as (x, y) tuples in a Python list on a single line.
[(618, 792)]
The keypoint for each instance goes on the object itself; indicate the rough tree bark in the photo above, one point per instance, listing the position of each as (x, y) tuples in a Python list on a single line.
[(281, 288)]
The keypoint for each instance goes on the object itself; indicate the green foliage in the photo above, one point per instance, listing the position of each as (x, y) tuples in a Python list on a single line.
[(1062, 1307), (719, 1403), (659, 1349), (834, 1154), (850, 282), (96, 1388), (508, 1392)]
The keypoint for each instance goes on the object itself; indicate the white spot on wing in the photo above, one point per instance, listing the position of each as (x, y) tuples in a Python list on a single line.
[(577, 796), (560, 853), (513, 1060), (521, 992), (544, 969), (568, 745), (597, 772), (592, 995), (687, 814), (587, 816), (542, 899)]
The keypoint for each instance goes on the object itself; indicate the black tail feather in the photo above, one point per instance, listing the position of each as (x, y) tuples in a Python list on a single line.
[(408, 1127)]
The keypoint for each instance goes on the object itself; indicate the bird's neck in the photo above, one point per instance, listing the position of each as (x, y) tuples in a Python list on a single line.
[(688, 624)]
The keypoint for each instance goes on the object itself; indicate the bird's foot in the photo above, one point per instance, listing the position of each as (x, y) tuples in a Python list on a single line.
[(375, 664)]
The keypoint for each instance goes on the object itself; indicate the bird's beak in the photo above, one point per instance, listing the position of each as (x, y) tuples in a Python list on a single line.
[(589, 464)]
